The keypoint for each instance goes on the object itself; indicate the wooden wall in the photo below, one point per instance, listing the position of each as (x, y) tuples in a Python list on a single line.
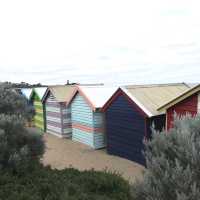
[(125, 130), (188, 105), (39, 118), (87, 126), (58, 117)]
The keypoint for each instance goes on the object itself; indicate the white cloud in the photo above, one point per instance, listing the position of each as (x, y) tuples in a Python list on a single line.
[(114, 41)]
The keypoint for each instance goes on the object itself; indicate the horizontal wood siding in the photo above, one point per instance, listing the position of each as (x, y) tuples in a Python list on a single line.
[(99, 140), (125, 130), (188, 106), (83, 137), (39, 114), (99, 134), (55, 113), (66, 120), (53, 116), (86, 124)]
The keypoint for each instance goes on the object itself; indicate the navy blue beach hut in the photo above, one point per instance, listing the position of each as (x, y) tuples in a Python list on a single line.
[(129, 115)]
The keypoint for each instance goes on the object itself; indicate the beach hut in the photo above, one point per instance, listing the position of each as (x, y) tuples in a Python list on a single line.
[(36, 99), (26, 92), (87, 118), (186, 103), (58, 114), (129, 115)]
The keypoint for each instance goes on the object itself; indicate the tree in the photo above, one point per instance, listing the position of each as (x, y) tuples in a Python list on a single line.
[(12, 103), (173, 163), (19, 147)]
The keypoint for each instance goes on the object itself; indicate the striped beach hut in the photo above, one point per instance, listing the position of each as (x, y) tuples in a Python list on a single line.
[(87, 118), (186, 103), (36, 98), (58, 114), (129, 115)]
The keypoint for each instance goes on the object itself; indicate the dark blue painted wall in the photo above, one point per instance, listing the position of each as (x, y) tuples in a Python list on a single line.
[(125, 130), (159, 124)]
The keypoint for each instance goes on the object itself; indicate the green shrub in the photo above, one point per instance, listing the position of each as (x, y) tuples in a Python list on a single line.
[(68, 184), (20, 152), (19, 147), (173, 164)]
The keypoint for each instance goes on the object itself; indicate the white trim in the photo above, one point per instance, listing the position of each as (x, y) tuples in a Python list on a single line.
[(137, 102)]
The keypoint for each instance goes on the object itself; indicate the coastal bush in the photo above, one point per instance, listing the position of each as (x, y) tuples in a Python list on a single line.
[(20, 147), (68, 184), (173, 163)]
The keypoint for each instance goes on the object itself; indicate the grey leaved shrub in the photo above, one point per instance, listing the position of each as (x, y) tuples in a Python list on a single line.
[(173, 163), (20, 148)]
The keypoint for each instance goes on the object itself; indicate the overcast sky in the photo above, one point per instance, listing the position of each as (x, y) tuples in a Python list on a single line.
[(111, 41)]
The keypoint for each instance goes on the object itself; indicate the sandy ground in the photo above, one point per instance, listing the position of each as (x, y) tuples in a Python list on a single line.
[(62, 153)]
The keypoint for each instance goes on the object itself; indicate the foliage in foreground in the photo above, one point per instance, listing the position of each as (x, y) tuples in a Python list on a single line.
[(68, 184), (19, 147), (12, 103), (173, 164), (22, 177)]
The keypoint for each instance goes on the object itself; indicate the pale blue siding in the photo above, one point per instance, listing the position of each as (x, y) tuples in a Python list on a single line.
[(99, 140), (82, 114), (83, 137), (98, 119)]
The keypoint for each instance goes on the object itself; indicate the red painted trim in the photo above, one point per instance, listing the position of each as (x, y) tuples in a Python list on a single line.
[(118, 93), (79, 90), (87, 128), (110, 101)]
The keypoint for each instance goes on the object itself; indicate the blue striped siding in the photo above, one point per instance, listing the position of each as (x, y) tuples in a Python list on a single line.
[(99, 140), (83, 137), (81, 111), (83, 114), (98, 119)]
